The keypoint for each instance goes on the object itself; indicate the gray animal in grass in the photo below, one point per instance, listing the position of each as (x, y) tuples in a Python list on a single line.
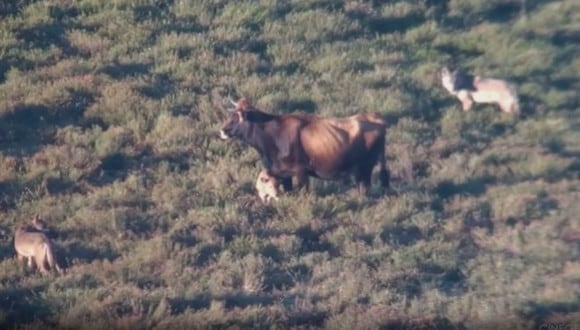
[(31, 242), (471, 89)]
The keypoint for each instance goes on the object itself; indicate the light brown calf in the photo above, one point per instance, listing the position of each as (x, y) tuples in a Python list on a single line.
[(267, 187)]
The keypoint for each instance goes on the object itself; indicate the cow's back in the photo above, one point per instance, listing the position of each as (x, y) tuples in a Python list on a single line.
[(327, 138), (334, 144)]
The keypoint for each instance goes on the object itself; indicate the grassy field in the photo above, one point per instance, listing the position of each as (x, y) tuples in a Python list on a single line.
[(109, 114)]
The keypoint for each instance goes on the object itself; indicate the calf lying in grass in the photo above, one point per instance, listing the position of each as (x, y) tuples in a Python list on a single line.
[(267, 187), (469, 89)]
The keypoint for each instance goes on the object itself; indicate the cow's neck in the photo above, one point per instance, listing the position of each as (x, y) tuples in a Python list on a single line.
[(254, 137), (263, 142)]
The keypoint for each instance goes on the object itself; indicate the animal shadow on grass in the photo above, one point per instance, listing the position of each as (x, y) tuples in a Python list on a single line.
[(21, 306), (542, 313), (472, 187)]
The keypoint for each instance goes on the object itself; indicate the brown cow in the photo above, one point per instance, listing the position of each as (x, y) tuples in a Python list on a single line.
[(302, 145)]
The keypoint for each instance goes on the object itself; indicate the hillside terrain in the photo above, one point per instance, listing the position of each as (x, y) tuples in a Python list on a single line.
[(109, 120)]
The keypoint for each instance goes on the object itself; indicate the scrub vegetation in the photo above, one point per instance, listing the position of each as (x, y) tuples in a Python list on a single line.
[(109, 119)]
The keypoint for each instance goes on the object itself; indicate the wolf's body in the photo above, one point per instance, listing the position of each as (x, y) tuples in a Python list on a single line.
[(32, 243), (471, 89)]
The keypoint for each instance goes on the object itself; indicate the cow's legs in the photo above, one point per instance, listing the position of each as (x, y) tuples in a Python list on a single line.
[(286, 183), (363, 178), (384, 177), (384, 174), (302, 181)]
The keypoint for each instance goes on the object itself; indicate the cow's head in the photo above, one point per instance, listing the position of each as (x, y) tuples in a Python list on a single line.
[(234, 123), (242, 116)]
